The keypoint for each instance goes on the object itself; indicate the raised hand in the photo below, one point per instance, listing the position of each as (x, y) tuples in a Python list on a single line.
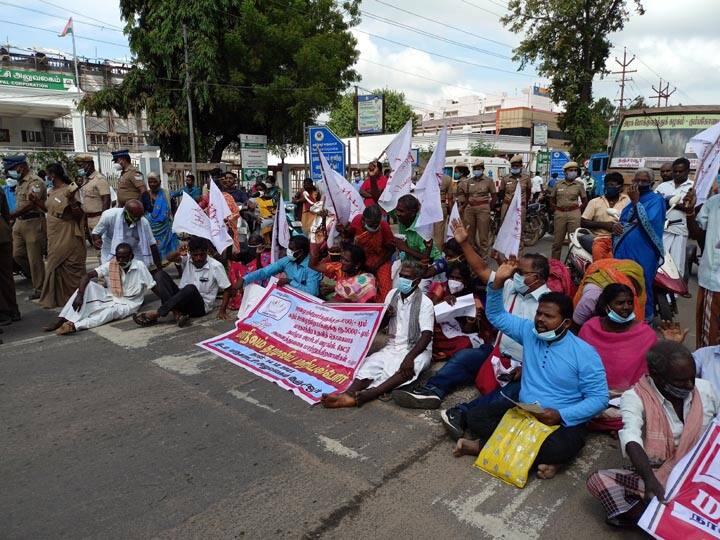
[(459, 231), (672, 332)]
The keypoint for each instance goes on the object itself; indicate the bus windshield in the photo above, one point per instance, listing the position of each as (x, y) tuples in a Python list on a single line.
[(657, 137)]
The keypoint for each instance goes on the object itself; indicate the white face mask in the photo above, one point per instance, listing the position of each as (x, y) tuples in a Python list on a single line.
[(571, 175), (117, 166), (455, 286)]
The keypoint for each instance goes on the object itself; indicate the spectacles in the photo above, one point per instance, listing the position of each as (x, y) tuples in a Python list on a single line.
[(521, 273)]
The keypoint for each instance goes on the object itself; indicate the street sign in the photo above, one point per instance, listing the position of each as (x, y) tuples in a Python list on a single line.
[(370, 114), (543, 157), (416, 156), (540, 134), (557, 160), (332, 148), (36, 79), (253, 156)]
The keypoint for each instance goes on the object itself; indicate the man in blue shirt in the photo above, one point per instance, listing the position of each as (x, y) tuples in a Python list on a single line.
[(190, 188), (295, 265), (560, 373)]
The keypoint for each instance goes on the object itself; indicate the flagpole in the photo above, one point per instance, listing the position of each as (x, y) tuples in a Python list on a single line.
[(77, 84)]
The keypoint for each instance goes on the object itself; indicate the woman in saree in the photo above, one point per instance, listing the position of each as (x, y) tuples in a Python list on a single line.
[(65, 264), (352, 282), (638, 234), (257, 256), (157, 212)]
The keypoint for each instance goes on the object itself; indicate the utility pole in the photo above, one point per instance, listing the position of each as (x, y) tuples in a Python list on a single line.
[(193, 165), (663, 92), (623, 79), (357, 130)]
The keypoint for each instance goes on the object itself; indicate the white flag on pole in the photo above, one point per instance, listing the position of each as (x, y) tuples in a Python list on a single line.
[(449, 229), (427, 190), (280, 232), (217, 211), (400, 160), (508, 238), (344, 198), (706, 145), (191, 219)]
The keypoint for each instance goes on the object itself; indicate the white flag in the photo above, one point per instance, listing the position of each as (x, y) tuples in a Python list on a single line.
[(706, 145), (280, 232), (508, 238), (400, 159), (427, 190), (449, 229), (191, 219), (345, 200), (217, 211)]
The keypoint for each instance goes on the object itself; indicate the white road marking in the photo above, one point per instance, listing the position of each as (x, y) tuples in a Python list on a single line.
[(139, 337), (244, 396), (185, 364), (336, 447)]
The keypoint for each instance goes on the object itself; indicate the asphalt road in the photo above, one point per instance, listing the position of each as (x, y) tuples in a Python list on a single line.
[(123, 432)]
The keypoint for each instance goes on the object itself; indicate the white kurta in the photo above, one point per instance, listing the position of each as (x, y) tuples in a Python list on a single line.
[(131, 234), (383, 364), (675, 237), (100, 306)]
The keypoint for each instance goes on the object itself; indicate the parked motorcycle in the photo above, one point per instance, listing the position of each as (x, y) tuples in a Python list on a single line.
[(535, 225)]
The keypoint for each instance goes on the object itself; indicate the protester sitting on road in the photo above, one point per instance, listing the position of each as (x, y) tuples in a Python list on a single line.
[(414, 247), (126, 225), (408, 350), (352, 284), (127, 280), (601, 213), (520, 297), (561, 373), (226, 184), (663, 415), (296, 266), (201, 279), (256, 256)]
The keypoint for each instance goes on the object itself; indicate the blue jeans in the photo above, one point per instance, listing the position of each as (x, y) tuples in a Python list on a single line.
[(511, 390), (460, 370)]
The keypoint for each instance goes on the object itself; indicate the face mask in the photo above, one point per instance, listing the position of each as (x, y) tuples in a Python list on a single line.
[(11, 182), (617, 318), (519, 284), (477, 173), (125, 265), (550, 335), (14, 175), (290, 253), (48, 184), (117, 166), (455, 286), (515, 170), (335, 257), (81, 173), (612, 192), (371, 229), (457, 176), (644, 188), (675, 391), (405, 285), (129, 220), (571, 175)]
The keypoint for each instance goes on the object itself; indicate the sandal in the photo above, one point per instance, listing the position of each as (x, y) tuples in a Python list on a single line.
[(183, 320), (141, 319)]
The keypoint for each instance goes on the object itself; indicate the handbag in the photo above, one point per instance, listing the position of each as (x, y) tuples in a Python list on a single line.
[(511, 450), (494, 365)]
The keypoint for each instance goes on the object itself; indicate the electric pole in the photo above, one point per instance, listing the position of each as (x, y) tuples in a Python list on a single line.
[(662, 92), (193, 165), (623, 79)]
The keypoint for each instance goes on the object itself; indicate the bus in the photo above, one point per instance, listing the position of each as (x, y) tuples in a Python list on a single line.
[(597, 167), (653, 136)]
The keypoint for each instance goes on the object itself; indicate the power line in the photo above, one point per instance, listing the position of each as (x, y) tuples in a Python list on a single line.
[(418, 76), (102, 27), (63, 8), (623, 79), (481, 8), (56, 34)]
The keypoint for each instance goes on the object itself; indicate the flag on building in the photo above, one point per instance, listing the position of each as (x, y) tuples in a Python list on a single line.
[(508, 238), (68, 28), (427, 190), (345, 199), (706, 145), (400, 159), (280, 232)]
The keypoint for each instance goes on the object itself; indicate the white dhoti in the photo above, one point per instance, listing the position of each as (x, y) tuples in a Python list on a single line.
[(99, 307), (385, 363), (675, 244)]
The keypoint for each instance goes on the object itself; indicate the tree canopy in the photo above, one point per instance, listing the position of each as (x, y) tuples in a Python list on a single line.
[(568, 42), (397, 113), (261, 67)]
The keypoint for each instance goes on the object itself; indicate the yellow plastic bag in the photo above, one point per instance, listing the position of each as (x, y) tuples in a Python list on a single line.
[(513, 447)]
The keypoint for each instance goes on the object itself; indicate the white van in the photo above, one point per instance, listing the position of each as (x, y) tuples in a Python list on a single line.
[(494, 167)]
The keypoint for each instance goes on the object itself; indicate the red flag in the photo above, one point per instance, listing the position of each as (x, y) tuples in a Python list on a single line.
[(68, 28)]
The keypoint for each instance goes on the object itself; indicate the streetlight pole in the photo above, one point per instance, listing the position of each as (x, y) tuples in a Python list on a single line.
[(193, 165)]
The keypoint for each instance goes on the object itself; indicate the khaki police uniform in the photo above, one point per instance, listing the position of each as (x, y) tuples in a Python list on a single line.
[(30, 230), (129, 186), (439, 227), (508, 184), (477, 195), (92, 191), (8, 301), (566, 196)]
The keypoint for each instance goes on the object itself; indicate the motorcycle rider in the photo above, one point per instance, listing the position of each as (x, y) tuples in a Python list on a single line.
[(564, 203), (602, 212), (474, 196)]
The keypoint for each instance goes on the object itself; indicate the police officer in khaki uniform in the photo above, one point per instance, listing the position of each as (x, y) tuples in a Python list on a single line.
[(30, 230), (94, 189), (461, 174), (9, 312), (131, 184), (567, 200), (509, 182), (475, 195), (445, 197)]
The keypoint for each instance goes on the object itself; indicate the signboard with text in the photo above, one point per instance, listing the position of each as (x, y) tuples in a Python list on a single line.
[(370, 114), (36, 79), (332, 147), (540, 134), (253, 155), (557, 160)]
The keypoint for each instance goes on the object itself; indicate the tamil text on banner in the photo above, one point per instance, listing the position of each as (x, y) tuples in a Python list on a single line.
[(692, 508), (508, 238), (300, 343), (427, 190), (400, 159)]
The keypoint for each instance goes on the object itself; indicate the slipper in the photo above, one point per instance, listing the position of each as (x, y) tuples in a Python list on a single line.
[(183, 320), (142, 320)]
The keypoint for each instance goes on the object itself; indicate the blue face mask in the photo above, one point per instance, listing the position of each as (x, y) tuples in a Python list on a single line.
[(457, 176), (14, 175), (405, 285), (612, 192), (477, 173), (550, 335), (515, 170), (676, 391), (519, 284), (644, 188), (617, 318), (81, 173)]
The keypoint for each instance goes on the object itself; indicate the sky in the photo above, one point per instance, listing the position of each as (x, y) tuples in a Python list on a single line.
[(431, 50)]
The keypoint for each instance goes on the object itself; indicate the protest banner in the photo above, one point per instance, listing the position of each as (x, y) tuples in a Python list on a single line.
[(692, 495), (427, 190), (345, 199), (218, 211), (192, 219), (454, 215), (508, 238), (400, 158), (299, 343)]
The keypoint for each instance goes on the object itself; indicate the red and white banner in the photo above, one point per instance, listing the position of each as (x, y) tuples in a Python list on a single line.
[(692, 508)]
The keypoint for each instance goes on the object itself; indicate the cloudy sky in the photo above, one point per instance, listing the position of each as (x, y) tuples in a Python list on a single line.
[(431, 49)]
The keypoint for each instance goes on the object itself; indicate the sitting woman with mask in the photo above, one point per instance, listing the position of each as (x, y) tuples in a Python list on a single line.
[(352, 283)]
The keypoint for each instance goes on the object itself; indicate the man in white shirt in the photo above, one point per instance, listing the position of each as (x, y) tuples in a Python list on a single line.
[(127, 280), (201, 280), (707, 364), (520, 297), (128, 225), (675, 236), (408, 352), (536, 187)]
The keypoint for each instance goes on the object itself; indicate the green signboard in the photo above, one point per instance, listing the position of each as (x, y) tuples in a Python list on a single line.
[(543, 157), (36, 79)]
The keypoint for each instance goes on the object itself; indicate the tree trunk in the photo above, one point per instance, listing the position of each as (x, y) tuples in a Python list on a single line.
[(219, 147)]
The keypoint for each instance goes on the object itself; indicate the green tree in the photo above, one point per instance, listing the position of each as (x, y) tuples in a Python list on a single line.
[(481, 149), (568, 42), (397, 113), (605, 109), (256, 67)]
